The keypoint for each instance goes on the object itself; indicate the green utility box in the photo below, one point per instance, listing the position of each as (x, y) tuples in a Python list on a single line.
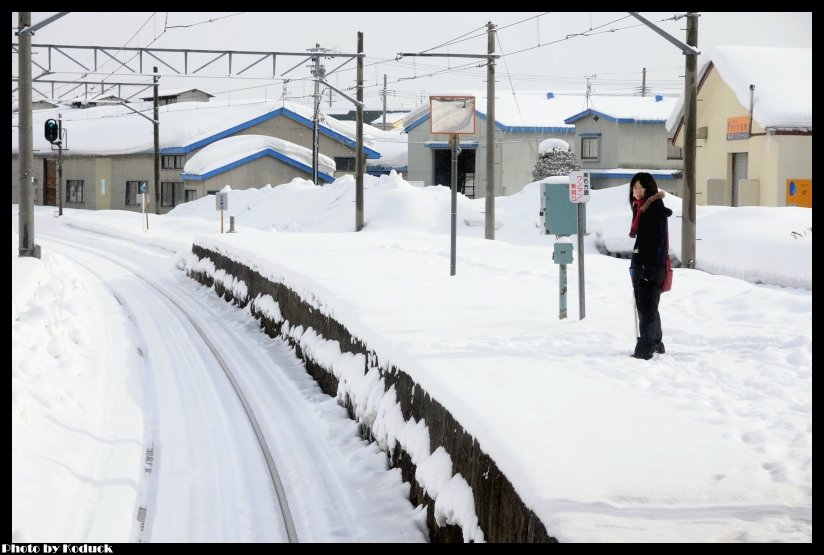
[(560, 215), (562, 253)]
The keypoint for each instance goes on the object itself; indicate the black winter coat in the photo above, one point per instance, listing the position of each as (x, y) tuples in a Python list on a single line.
[(650, 251)]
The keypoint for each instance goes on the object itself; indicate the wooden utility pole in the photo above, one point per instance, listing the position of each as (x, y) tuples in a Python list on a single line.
[(489, 219), (688, 223)]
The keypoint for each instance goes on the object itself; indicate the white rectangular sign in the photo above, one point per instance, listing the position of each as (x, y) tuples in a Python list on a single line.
[(221, 201), (578, 187)]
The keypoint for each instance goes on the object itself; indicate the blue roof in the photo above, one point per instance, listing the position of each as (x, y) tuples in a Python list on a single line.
[(260, 119), (260, 154), (591, 112)]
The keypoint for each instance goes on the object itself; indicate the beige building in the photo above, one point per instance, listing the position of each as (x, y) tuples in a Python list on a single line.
[(754, 127)]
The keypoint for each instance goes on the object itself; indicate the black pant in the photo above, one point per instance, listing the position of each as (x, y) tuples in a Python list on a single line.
[(647, 295)]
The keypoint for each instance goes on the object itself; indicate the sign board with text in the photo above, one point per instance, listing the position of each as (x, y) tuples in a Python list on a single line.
[(738, 128), (221, 201), (579, 185)]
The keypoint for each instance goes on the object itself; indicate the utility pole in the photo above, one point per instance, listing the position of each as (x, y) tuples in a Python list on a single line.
[(489, 206), (688, 232), (383, 94), (690, 107), (589, 88), (359, 161), (60, 163), (156, 142), (25, 224), (317, 72), (644, 82), (25, 221)]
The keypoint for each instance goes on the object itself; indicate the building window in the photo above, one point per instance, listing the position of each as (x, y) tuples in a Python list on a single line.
[(132, 188), (74, 190), (674, 152), (589, 148), (344, 164), (172, 161), (189, 195), (167, 192), (167, 100)]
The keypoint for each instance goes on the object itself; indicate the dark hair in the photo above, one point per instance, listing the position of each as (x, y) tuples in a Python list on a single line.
[(646, 181)]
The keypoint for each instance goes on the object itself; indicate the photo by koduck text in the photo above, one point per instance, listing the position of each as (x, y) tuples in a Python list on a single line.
[(56, 548)]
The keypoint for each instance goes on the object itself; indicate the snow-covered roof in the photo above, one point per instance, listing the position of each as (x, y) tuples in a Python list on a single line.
[(628, 109), (162, 93), (783, 79), (391, 117), (184, 126), (542, 111), (231, 152)]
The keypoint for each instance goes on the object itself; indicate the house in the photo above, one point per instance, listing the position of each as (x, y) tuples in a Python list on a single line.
[(109, 151), (174, 96), (229, 161), (618, 136), (754, 127), (613, 137)]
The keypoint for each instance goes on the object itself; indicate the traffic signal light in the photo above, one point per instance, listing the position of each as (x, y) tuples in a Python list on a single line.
[(52, 130)]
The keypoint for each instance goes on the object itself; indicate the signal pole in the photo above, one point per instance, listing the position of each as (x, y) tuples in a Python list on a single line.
[(60, 164)]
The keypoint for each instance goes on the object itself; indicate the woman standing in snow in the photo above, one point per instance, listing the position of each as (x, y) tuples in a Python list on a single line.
[(649, 257)]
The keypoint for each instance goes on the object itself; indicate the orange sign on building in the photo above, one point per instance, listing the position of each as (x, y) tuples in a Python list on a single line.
[(800, 192), (738, 128)]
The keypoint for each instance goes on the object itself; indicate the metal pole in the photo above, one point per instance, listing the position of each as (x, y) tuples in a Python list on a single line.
[(60, 163), (24, 142), (453, 141), (562, 292), (359, 162), (489, 219), (156, 144), (690, 120), (582, 311)]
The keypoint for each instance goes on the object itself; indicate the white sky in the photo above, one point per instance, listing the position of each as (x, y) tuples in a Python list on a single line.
[(611, 48), (711, 442)]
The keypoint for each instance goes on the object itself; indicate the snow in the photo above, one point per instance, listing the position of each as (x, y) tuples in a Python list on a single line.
[(783, 79), (552, 144), (232, 149), (782, 98), (711, 442), (526, 108)]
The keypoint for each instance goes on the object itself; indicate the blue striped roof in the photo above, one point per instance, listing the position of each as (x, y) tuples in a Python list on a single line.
[(372, 154), (260, 154)]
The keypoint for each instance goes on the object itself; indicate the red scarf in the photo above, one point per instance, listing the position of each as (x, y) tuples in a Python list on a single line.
[(641, 206), (639, 203)]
